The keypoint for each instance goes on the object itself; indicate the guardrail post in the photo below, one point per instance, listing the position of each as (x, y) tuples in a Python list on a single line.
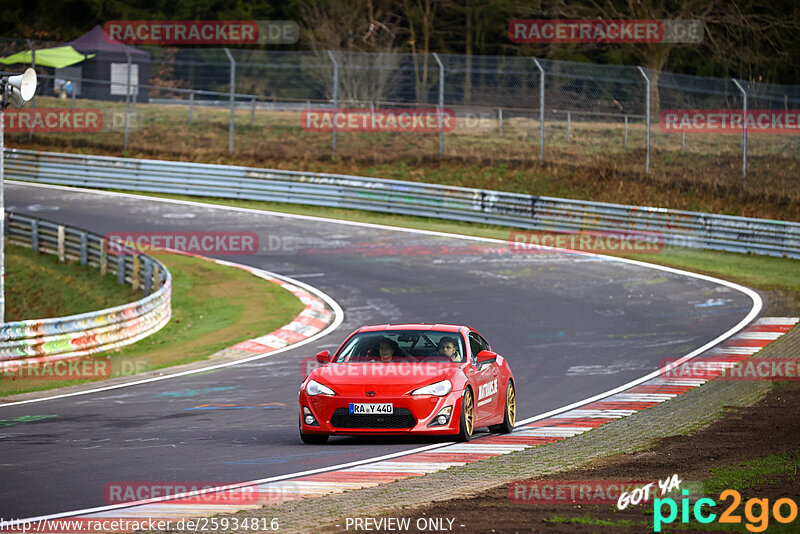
[(157, 276), (72, 97), (335, 100), (253, 112), (148, 277), (191, 107), (103, 258), (135, 272), (121, 268), (647, 100), (440, 106), (744, 131), (541, 109), (232, 98), (84, 248), (61, 243), (35, 235)]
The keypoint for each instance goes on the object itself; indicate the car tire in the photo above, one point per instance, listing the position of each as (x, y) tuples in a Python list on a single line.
[(467, 422), (509, 412), (313, 439)]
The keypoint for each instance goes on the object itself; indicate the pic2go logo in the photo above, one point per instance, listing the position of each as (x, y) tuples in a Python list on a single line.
[(757, 521)]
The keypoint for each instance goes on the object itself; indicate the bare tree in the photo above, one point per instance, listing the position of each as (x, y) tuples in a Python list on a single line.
[(350, 28), (737, 32)]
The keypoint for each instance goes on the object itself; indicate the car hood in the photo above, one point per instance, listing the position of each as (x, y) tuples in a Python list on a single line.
[(384, 378)]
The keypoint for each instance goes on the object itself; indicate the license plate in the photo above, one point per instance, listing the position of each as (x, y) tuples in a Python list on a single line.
[(370, 408)]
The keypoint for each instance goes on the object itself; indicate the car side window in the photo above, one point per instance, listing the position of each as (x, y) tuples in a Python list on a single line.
[(476, 344), (484, 343)]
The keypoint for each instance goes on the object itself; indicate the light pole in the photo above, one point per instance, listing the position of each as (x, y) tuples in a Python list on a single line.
[(16, 90)]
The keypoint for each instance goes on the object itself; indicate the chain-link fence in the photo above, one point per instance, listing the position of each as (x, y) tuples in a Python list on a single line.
[(186, 101)]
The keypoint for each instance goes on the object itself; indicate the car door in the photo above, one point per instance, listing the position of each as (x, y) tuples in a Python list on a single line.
[(486, 380)]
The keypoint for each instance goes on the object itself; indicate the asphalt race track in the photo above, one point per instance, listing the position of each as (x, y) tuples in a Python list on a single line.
[(571, 326)]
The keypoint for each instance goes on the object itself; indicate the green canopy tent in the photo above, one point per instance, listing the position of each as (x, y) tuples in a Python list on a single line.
[(60, 58), (57, 58)]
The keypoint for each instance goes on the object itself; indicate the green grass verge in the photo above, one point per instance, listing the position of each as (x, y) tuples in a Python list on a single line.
[(213, 307), (38, 286), (753, 474), (761, 272), (588, 520)]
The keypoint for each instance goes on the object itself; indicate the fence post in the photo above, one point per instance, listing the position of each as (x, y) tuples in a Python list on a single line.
[(127, 95), (744, 132), (440, 105), (626, 130), (191, 106), (647, 100), (335, 100), (253, 112), (541, 109), (569, 127), (233, 99), (500, 121), (683, 139)]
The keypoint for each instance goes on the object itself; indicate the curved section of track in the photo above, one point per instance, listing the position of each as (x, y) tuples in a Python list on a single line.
[(572, 326)]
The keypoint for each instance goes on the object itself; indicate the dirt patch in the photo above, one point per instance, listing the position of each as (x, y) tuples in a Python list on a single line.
[(768, 427)]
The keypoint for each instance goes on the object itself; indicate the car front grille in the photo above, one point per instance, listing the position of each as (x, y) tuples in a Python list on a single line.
[(401, 418)]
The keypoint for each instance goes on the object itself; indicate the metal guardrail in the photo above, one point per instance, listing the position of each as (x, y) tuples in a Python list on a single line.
[(676, 227), (86, 333)]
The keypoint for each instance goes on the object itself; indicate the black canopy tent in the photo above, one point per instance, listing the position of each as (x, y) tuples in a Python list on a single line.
[(110, 65)]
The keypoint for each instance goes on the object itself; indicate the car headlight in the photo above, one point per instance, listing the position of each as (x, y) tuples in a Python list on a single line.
[(315, 388), (440, 389)]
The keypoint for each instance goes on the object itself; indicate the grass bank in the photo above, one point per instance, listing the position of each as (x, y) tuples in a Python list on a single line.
[(38, 286), (213, 307)]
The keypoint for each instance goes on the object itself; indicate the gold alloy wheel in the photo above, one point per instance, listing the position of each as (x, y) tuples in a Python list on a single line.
[(469, 418), (511, 404)]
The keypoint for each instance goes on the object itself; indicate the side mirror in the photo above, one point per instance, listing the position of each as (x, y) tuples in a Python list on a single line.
[(324, 356), (486, 356)]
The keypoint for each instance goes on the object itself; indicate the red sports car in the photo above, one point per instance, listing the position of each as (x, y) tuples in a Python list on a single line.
[(408, 379)]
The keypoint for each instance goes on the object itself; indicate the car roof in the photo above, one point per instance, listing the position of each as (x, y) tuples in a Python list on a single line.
[(412, 326)]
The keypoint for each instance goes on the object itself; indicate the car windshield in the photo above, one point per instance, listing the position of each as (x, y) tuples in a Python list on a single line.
[(403, 346)]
